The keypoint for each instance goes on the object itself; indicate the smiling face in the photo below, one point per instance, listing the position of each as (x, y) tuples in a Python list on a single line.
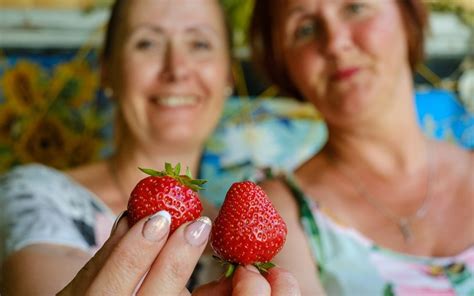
[(169, 69), (347, 57)]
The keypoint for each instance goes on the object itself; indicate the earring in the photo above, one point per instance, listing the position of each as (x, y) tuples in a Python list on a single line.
[(228, 90), (108, 92)]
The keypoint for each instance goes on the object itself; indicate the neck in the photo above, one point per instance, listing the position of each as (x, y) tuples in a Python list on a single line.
[(388, 144), (129, 157)]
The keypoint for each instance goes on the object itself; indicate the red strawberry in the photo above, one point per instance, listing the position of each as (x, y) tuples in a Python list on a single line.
[(248, 229), (166, 190)]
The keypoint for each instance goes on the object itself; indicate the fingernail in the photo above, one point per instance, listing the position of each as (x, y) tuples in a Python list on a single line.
[(117, 221), (198, 231), (251, 268), (157, 226)]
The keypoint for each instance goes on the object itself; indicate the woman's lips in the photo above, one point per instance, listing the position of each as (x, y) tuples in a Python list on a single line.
[(344, 74), (175, 101)]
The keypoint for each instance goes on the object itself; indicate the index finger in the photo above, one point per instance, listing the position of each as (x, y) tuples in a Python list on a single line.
[(133, 256), (172, 269)]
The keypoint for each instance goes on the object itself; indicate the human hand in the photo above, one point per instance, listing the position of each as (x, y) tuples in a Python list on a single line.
[(248, 281), (143, 259)]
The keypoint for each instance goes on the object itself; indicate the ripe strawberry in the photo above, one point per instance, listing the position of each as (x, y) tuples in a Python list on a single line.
[(248, 229), (166, 190)]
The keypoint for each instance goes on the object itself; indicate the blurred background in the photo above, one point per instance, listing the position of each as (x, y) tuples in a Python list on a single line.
[(52, 110)]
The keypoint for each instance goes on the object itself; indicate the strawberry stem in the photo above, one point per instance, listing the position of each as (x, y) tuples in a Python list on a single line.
[(230, 270), (263, 267), (174, 172)]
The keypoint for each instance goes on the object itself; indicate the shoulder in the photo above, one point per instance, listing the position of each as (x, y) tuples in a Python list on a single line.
[(34, 172), (276, 188), (455, 166), (33, 178), (470, 174), (281, 196), (274, 185), (454, 159), (39, 191), (39, 204), (296, 255), (38, 181)]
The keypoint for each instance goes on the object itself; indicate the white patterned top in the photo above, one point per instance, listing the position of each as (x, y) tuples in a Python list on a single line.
[(39, 204)]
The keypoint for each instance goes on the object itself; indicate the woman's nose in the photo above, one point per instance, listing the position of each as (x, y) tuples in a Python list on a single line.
[(336, 37), (175, 66)]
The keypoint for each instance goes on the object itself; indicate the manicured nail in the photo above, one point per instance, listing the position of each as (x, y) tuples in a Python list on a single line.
[(198, 231), (117, 221), (157, 226)]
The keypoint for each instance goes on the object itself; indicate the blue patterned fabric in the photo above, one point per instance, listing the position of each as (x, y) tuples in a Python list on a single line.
[(259, 133), (282, 133), (442, 116)]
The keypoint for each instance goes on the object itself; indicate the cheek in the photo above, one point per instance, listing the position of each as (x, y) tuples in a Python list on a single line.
[(213, 77), (384, 39), (144, 67), (135, 75), (303, 65)]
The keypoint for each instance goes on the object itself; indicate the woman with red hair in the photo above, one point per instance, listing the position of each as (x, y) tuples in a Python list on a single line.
[(381, 209)]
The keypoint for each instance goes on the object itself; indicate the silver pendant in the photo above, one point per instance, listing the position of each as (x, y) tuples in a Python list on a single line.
[(404, 226)]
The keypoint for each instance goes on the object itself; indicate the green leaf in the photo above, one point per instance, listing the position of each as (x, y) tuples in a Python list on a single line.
[(177, 169), (169, 168), (150, 172), (198, 182), (173, 172), (188, 173)]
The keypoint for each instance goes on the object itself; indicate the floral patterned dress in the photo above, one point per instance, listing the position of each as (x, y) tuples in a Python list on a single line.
[(351, 264)]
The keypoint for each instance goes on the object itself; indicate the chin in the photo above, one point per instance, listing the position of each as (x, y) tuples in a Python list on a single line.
[(186, 137)]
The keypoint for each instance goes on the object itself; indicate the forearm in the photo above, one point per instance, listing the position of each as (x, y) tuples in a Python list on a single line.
[(40, 270)]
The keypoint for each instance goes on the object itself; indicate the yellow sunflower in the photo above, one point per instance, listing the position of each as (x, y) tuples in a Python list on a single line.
[(74, 83), (22, 86), (83, 149), (47, 141), (8, 123)]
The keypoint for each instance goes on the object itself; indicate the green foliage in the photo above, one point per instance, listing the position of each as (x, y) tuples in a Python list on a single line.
[(462, 8), (239, 13), (174, 172)]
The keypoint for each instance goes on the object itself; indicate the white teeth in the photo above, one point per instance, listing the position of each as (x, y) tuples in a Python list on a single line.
[(177, 101)]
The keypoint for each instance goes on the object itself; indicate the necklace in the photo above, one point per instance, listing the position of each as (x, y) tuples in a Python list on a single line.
[(112, 168), (403, 222)]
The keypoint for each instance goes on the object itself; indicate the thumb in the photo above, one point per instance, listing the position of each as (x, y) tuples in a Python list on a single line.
[(220, 287), (248, 281)]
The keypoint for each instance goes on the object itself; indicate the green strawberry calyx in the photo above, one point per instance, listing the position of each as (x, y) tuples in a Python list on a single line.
[(174, 172), (263, 267)]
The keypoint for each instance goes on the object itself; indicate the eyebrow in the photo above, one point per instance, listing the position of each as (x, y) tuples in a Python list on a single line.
[(147, 27), (197, 28), (296, 10), (202, 27)]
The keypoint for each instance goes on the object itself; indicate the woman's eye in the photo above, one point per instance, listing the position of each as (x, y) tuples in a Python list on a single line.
[(305, 30), (355, 7), (144, 44), (200, 45)]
